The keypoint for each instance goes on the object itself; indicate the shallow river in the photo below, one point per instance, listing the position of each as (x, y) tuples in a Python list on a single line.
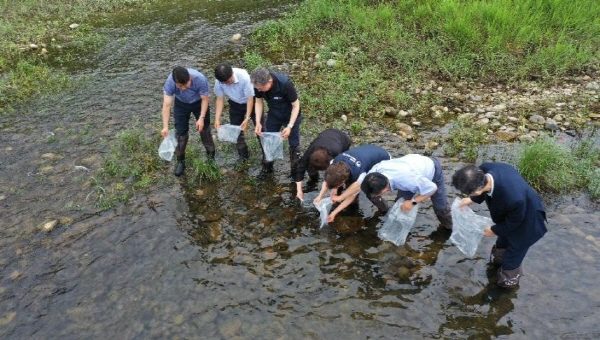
[(241, 260)]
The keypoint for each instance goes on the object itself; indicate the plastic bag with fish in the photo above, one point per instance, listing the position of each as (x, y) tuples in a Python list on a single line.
[(167, 147), (228, 133), (467, 228), (272, 145), (398, 224), (324, 206)]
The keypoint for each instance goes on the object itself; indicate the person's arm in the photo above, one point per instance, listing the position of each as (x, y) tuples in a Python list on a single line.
[(465, 202), (352, 190), (203, 112), (258, 110), (340, 207), (166, 114), (299, 192), (218, 110), (295, 111), (249, 109), (321, 194), (408, 204)]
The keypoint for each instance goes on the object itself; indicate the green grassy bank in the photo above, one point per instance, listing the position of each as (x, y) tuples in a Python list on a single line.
[(382, 47), (37, 39)]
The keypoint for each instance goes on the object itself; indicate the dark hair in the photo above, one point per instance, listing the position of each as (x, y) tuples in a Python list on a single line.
[(181, 75), (469, 179), (373, 184), (320, 159), (337, 174), (223, 72)]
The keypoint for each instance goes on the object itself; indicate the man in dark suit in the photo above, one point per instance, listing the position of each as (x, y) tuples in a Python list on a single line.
[(514, 206)]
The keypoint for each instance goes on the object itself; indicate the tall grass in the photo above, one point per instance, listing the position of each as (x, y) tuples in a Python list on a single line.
[(552, 167), (502, 40)]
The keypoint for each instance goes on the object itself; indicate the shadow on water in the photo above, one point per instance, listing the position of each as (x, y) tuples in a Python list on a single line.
[(240, 258)]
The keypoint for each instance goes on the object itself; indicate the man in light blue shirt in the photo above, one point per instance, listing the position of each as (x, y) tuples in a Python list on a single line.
[(188, 90), (416, 178), (236, 85)]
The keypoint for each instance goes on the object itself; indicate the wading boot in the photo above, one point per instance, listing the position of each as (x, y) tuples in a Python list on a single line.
[(295, 154), (313, 176), (180, 152), (445, 218), (180, 167), (266, 170), (210, 155), (243, 154), (509, 278), (497, 255)]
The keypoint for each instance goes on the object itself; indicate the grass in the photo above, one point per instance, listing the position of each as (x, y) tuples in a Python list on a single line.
[(26, 72), (384, 48), (132, 165), (552, 167), (464, 139)]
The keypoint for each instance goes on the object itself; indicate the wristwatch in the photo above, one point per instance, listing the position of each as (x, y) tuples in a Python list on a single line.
[(290, 125), (414, 202)]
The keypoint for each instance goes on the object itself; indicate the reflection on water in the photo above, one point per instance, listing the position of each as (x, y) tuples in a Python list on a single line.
[(241, 258)]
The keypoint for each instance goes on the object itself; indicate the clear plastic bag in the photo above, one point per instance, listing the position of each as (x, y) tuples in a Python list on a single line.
[(273, 145), (467, 228), (398, 224), (309, 197), (228, 133), (324, 206), (167, 147)]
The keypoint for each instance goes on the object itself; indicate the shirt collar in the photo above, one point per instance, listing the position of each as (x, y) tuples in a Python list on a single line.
[(491, 179)]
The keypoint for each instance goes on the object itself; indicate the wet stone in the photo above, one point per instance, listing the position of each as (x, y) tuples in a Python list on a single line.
[(49, 226), (230, 328), (403, 272), (348, 224)]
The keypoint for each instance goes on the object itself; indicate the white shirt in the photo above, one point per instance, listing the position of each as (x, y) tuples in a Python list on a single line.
[(413, 173), (240, 90)]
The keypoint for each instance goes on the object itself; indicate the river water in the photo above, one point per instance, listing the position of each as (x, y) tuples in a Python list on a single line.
[(237, 259)]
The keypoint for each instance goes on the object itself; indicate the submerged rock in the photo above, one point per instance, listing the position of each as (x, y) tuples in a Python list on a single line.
[(49, 226)]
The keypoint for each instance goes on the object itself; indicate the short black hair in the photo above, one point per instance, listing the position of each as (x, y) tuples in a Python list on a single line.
[(469, 179), (181, 75), (373, 184), (223, 72)]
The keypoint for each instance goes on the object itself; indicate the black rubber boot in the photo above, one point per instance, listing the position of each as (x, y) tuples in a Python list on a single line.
[(266, 170), (180, 167), (295, 154), (210, 155), (313, 175), (243, 154), (180, 153), (445, 218)]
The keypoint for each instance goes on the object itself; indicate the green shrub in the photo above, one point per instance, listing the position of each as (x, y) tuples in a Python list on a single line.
[(464, 139)]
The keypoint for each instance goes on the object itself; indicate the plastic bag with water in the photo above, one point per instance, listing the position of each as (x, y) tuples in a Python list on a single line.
[(167, 147), (398, 224), (309, 197), (467, 228), (324, 206), (273, 145), (228, 133)]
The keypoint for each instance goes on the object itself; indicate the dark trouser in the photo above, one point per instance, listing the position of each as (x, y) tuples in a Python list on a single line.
[(438, 199), (510, 259), (274, 124), (182, 112), (237, 114)]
